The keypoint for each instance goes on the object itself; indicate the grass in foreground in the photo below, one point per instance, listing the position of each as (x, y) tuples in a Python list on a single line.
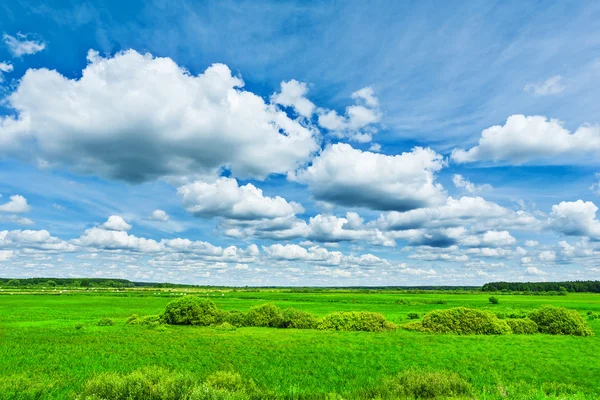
[(44, 355)]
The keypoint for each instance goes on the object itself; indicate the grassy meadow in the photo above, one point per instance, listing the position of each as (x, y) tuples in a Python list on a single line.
[(50, 344)]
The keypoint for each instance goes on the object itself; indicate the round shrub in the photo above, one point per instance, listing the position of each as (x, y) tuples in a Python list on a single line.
[(297, 319), (413, 315), (106, 322), (414, 384), (78, 325), (494, 300), (355, 321), (235, 318), (191, 310), (464, 321), (522, 326), (560, 321), (265, 315), (225, 326)]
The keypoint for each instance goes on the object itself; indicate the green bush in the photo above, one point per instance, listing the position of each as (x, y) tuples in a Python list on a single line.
[(265, 315), (235, 318), (225, 326), (412, 315), (230, 381), (153, 383), (462, 321), (106, 322), (355, 321), (149, 320), (414, 384), (192, 310), (560, 321), (522, 326), (78, 326), (297, 319), (494, 300)]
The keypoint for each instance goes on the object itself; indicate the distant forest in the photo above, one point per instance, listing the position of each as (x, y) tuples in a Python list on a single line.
[(570, 286)]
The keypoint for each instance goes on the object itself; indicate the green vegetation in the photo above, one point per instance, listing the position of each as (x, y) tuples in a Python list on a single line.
[(106, 322), (193, 310), (45, 356), (544, 287), (494, 300), (560, 321), (469, 321), (522, 326), (461, 321)]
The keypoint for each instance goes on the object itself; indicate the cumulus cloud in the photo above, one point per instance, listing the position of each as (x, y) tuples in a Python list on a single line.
[(33, 240), (293, 95), (531, 139), (462, 183), (116, 223), (159, 215), (225, 198), (178, 123), (477, 211), (21, 45), (576, 218), (357, 123), (17, 204), (534, 271), (548, 87), (498, 239), (349, 177)]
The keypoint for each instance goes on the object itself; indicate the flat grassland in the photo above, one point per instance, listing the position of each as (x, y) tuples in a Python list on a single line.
[(43, 355)]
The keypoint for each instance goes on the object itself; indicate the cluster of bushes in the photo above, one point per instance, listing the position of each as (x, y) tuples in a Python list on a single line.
[(462, 321), (191, 310), (155, 383), (467, 321)]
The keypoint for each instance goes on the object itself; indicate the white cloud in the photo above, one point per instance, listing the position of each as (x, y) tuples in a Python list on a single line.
[(17, 204), (549, 87), (547, 256), (596, 185), (6, 255), (5, 67), (357, 124), (36, 240), (159, 215), (534, 271), (224, 198), (116, 240), (350, 177), (293, 95), (531, 243), (482, 214), (20, 45), (575, 218), (527, 139), (116, 223), (460, 182), (498, 239), (179, 124)]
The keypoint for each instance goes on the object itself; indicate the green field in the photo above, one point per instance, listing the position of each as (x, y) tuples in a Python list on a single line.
[(43, 355)]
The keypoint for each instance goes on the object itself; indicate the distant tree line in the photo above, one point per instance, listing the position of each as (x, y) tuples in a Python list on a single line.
[(569, 286), (83, 282)]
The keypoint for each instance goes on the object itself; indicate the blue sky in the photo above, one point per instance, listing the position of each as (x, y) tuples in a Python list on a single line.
[(300, 143)]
